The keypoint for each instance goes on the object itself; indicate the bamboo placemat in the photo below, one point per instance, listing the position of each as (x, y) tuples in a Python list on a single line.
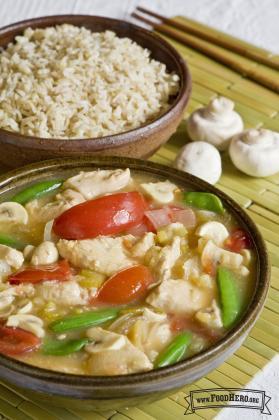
[(260, 197)]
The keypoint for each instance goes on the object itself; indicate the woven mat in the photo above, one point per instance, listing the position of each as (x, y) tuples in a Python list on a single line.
[(260, 197)]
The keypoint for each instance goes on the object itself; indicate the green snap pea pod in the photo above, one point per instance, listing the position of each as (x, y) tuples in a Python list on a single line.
[(62, 348), (36, 191), (12, 242), (230, 303), (204, 201), (175, 350), (84, 320)]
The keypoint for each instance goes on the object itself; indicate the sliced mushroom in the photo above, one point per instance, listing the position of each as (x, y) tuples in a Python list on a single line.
[(27, 322), (11, 256), (215, 231), (162, 192), (13, 213)]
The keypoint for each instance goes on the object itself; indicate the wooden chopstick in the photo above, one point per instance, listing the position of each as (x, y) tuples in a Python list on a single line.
[(215, 39), (216, 52)]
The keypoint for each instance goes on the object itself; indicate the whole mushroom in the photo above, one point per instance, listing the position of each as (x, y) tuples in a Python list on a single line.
[(216, 123), (200, 159), (256, 152)]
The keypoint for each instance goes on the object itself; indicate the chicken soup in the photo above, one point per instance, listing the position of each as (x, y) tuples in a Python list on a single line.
[(111, 273)]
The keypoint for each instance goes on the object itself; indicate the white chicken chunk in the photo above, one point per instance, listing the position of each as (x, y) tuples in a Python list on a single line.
[(45, 253), (95, 183), (11, 256), (162, 260), (151, 333), (114, 354), (104, 254), (143, 245), (67, 293), (63, 201), (161, 192), (179, 297), (211, 316)]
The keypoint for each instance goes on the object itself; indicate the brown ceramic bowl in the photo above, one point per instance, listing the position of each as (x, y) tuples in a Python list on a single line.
[(17, 149), (89, 392)]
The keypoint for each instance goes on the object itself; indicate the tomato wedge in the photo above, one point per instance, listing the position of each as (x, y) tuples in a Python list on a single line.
[(238, 240), (107, 215), (126, 286), (15, 341), (58, 271)]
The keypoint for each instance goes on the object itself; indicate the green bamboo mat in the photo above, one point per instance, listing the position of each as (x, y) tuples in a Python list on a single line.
[(260, 197)]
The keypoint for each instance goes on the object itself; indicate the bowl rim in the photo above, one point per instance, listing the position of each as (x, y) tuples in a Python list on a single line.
[(118, 139), (82, 383)]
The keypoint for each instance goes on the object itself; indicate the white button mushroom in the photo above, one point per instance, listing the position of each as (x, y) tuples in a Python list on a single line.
[(216, 123), (200, 159), (215, 231), (13, 212), (162, 192), (256, 152)]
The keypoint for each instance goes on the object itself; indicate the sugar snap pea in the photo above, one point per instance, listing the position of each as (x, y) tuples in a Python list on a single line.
[(203, 200), (12, 242), (230, 303), (36, 191), (64, 347), (84, 320), (174, 351)]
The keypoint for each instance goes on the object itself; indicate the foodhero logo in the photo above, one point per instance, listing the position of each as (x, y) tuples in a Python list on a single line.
[(227, 397)]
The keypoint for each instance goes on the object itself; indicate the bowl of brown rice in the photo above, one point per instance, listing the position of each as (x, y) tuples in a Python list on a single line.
[(75, 84)]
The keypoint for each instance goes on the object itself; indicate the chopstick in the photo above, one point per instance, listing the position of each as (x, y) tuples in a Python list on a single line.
[(215, 39), (213, 51)]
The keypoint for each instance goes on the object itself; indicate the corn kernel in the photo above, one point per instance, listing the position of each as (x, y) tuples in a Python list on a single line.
[(91, 279)]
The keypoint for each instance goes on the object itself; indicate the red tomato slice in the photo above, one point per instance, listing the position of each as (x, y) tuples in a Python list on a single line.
[(15, 341), (126, 286), (59, 271), (238, 240), (107, 215)]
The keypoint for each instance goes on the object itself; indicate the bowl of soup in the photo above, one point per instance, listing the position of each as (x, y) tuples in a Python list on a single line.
[(121, 280)]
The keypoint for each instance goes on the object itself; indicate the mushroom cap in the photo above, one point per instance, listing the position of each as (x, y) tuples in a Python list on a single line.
[(216, 123), (200, 159), (256, 152)]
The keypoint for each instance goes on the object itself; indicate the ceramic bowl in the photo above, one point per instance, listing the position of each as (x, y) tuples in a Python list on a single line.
[(101, 393), (17, 149)]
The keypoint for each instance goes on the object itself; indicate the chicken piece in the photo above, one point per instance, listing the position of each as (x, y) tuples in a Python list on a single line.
[(162, 192), (211, 316), (192, 268), (104, 254), (162, 260), (179, 297), (63, 201), (27, 322), (67, 293), (95, 183), (11, 256), (143, 245), (151, 333), (45, 253), (114, 354)]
